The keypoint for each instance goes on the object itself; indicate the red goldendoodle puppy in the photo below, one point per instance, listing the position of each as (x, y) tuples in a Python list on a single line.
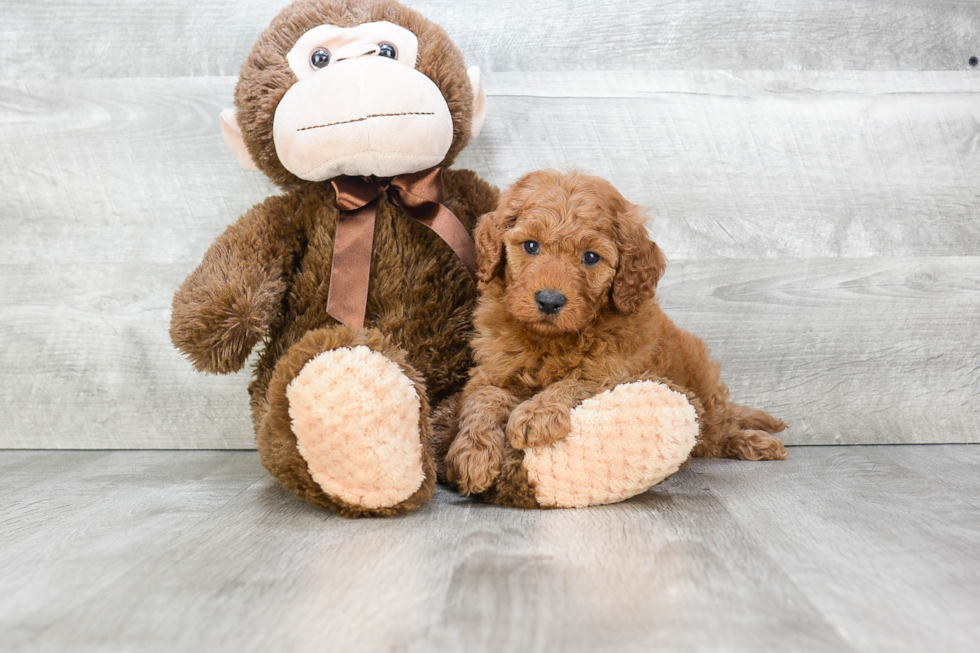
[(568, 275)]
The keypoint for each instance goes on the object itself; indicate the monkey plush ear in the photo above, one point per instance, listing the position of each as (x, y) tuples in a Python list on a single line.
[(233, 139), (479, 100)]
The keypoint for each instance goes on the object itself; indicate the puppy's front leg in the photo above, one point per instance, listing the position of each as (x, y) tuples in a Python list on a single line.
[(476, 454), (546, 417)]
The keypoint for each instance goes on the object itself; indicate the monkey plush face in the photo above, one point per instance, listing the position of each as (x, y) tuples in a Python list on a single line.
[(347, 87), (360, 107)]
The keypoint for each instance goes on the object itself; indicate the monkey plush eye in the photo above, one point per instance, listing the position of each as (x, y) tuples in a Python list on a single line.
[(590, 259), (320, 58), (531, 247), (387, 50)]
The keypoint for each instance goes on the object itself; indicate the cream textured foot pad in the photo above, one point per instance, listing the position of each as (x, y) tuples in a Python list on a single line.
[(622, 442), (356, 420)]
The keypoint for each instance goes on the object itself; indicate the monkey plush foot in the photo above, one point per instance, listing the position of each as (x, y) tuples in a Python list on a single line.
[(621, 443), (356, 420), (345, 423)]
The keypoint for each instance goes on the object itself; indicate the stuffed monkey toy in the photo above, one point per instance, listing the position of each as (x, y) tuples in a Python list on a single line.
[(358, 278)]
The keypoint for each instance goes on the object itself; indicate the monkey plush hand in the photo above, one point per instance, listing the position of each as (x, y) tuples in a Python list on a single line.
[(357, 278)]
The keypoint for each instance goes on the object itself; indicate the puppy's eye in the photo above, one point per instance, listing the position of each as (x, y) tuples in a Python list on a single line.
[(531, 247), (320, 58), (590, 259), (387, 50)]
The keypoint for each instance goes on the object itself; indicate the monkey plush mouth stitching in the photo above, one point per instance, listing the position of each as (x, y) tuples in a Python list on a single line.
[(373, 115)]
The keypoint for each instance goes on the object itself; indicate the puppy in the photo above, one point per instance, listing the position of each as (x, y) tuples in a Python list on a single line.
[(568, 274)]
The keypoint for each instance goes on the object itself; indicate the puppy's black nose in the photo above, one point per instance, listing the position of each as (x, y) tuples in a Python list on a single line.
[(549, 301)]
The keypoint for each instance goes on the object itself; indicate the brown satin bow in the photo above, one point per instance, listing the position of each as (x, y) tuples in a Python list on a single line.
[(421, 195)]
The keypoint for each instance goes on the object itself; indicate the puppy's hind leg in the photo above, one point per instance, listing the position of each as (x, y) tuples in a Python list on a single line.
[(732, 431), (752, 419), (750, 444), (752, 440)]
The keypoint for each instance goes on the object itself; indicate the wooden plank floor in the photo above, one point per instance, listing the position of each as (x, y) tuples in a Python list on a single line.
[(837, 549)]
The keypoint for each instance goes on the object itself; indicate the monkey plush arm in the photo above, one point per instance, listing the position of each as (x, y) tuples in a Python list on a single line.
[(226, 305)]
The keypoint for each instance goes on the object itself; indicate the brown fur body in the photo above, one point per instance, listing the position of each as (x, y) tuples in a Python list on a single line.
[(533, 368), (266, 277)]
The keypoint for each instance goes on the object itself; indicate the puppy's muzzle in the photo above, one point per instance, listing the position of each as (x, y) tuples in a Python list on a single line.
[(549, 301)]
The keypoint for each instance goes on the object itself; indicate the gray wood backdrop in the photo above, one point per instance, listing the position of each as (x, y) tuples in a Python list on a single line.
[(813, 168)]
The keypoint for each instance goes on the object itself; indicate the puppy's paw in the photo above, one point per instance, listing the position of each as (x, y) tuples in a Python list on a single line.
[(472, 467), (755, 445), (538, 424)]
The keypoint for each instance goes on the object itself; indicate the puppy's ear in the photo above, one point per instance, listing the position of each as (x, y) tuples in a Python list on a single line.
[(641, 263), (489, 237)]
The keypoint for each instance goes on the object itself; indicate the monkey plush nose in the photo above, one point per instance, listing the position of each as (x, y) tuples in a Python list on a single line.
[(549, 301)]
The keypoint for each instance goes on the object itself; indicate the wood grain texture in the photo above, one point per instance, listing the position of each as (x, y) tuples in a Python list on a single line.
[(885, 521), (835, 549), (111, 190), (752, 165), (210, 37), (84, 519), (847, 351), (760, 164)]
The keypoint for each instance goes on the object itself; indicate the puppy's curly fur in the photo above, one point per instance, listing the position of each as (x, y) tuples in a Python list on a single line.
[(534, 365)]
